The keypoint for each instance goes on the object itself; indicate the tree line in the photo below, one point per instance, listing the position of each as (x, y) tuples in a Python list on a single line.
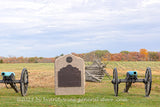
[(103, 55)]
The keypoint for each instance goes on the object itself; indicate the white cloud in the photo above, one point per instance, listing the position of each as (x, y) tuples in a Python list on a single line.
[(147, 3), (70, 23)]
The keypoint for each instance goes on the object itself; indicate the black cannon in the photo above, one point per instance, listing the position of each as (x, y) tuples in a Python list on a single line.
[(9, 78), (131, 77)]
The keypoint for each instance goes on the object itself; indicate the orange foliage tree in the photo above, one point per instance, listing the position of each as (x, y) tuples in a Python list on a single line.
[(144, 54)]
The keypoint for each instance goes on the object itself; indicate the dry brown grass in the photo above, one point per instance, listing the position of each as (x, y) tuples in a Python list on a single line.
[(124, 71), (41, 79)]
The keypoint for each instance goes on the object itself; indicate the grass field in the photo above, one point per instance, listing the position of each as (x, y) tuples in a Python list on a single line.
[(41, 87)]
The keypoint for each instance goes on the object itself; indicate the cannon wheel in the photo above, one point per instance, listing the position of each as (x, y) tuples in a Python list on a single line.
[(148, 81), (24, 82), (115, 79)]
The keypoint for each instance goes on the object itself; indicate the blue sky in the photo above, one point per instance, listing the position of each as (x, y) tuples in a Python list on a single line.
[(48, 28)]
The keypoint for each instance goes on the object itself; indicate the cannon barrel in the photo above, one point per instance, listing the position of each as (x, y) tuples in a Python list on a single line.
[(7, 74), (132, 73)]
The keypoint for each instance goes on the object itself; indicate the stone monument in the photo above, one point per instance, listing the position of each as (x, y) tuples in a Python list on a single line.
[(69, 75)]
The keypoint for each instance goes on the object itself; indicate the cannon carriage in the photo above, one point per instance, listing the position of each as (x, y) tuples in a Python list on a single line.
[(9, 78), (131, 77)]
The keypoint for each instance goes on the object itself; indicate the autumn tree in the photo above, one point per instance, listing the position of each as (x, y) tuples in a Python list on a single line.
[(144, 54), (124, 52), (101, 53), (153, 56), (125, 55), (1, 60), (106, 57)]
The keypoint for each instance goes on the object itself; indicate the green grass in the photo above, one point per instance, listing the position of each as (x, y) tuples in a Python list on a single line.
[(102, 95), (97, 94)]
